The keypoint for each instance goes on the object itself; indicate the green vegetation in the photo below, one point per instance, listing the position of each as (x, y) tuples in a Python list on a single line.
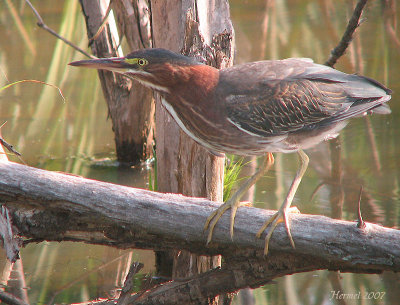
[(231, 175)]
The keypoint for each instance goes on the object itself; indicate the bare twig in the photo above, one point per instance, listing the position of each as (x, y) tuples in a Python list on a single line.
[(360, 221), (3, 154), (98, 302), (128, 284), (354, 22), (41, 24), (103, 23), (31, 81), (9, 147)]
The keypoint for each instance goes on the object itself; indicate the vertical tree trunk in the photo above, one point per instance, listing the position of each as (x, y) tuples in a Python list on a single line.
[(130, 105), (195, 29)]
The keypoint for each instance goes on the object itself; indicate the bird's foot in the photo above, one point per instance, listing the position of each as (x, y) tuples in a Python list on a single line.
[(278, 217), (212, 220)]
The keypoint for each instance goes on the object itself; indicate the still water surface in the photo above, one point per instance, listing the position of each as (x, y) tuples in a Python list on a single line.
[(72, 135)]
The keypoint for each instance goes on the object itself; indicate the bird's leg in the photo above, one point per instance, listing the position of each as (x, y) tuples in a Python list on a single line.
[(281, 215), (234, 202)]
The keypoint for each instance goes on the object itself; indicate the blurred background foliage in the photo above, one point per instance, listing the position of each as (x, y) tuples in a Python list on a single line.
[(75, 136)]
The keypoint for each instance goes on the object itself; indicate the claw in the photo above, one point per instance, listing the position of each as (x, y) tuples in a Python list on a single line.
[(281, 215), (234, 202), (217, 214), (277, 218)]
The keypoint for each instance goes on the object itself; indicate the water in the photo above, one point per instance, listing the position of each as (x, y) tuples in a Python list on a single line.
[(71, 135)]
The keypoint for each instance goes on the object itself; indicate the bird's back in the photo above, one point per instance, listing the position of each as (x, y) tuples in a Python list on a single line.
[(269, 98), (285, 105)]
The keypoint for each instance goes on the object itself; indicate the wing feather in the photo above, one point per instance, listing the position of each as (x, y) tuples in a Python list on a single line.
[(272, 98)]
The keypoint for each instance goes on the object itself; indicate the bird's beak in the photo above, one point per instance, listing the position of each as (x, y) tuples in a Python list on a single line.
[(116, 64)]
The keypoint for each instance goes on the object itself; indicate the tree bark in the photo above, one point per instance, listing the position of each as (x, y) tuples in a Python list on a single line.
[(130, 105), (48, 205), (182, 165)]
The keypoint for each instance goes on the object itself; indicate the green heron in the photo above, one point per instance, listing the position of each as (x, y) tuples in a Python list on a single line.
[(252, 109)]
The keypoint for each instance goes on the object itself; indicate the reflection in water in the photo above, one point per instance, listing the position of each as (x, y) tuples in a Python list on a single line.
[(68, 136)]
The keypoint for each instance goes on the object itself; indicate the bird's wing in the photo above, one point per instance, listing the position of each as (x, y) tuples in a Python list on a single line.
[(277, 97)]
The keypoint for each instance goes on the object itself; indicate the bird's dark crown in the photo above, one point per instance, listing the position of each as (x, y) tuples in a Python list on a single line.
[(162, 56)]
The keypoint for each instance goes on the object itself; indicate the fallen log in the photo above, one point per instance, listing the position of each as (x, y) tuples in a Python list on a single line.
[(54, 206)]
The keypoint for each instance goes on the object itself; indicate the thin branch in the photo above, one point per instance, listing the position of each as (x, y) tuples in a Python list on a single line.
[(31, 81), (7, 145), (98, 302), (41, 24), (128, 284), (103, 23), (360, 220), (353, 24)]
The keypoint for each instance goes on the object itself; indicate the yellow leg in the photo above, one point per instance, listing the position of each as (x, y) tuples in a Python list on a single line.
[(281, 215), (234, 202)]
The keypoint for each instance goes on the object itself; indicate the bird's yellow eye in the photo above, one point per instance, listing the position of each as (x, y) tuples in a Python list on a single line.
[(137, 61), (142, 62)]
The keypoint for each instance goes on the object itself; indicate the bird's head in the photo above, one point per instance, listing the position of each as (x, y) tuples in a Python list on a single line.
[(156, 68)]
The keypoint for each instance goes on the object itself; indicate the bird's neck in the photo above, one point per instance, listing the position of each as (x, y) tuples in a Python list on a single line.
[(202, 76), (182, 80), (195, 82)]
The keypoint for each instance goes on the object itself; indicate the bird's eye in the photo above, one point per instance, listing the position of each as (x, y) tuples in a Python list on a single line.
[(142, 62)]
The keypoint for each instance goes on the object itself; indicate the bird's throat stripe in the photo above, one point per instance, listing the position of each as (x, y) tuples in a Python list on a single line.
[(173, 113)]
